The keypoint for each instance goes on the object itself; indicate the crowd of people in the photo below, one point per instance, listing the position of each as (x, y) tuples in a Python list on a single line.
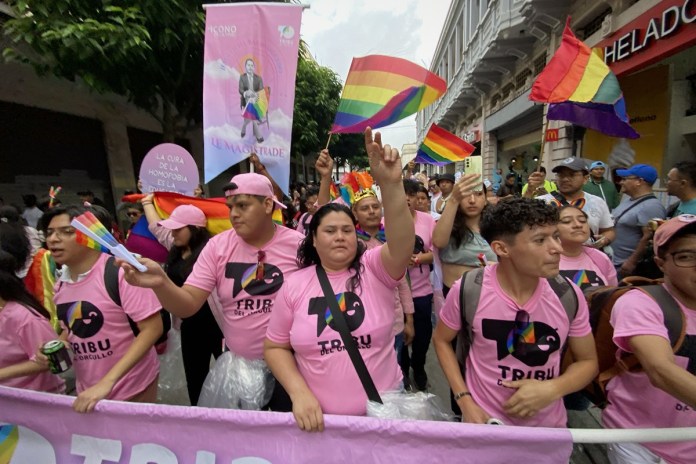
[(490, 274)]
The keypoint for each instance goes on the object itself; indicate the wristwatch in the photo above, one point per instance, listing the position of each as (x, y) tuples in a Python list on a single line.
[(461, 395)]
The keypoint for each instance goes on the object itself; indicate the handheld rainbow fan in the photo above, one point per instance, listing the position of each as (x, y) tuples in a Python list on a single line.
[(90, 226)]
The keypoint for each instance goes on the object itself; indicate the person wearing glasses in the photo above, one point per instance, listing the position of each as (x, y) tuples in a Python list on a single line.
[(110, 360), (571, 176), (631, 219), (303, 348), (663, 393), (520, 325), (243, 268)]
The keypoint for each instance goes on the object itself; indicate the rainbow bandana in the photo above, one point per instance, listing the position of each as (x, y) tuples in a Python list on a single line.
[(381, 236)]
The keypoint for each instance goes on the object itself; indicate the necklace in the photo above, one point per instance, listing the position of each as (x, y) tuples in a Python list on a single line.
[(444, 203)]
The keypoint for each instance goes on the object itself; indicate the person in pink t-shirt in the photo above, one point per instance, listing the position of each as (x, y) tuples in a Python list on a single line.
[(110, 360), (420, 265), (584, 266), (243, 267), (367, 210), (663, 393), (24, 323), (520, 326), (303, 348)]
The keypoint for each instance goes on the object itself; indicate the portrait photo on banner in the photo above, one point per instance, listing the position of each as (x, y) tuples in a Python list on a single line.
[(249, 86)]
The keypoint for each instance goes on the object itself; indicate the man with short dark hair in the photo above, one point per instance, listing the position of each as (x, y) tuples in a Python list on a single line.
[(445, 182), (520, 325), (243, 267), (601, 186), (663, 393), (571, 175), (546, 187), (681, 183), (632, 216)]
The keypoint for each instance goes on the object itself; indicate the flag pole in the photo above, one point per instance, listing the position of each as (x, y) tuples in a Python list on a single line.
[(543, 143), (328, 141)]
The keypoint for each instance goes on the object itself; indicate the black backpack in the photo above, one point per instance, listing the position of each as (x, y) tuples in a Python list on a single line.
[(111, 284)]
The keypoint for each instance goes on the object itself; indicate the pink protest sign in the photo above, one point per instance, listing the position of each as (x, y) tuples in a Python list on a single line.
[(43, 428), (169, 168)]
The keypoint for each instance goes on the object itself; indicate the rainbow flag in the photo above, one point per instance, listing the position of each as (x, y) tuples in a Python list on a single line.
[(381, 90), (257, 109), (441, 147), (215, 209), (84, 240), (581, 89)]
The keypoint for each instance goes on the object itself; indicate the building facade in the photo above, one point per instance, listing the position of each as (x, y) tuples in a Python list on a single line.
[(490, 52)]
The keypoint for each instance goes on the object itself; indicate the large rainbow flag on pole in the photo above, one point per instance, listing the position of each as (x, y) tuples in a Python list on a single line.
[(441, 147), (381, 90), (581, 89)]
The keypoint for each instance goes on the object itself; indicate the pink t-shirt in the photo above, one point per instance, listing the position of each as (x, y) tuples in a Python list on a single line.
[(99, 332), (403, 300), (22, 330), (227, 264), (591, 268), (420, 275), (490, 360), (303, 223), (634, 401), (300, 318)]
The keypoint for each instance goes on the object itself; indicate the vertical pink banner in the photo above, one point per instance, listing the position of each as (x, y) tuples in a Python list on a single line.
[(250, 63)]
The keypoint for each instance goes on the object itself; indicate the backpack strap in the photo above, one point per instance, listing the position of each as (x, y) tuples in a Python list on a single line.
[(675, 322), (564, 291), (111, 280), (469, 295), (111, 284)]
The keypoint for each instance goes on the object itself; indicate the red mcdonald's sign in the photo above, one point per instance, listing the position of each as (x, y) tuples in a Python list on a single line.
[(551, 135)]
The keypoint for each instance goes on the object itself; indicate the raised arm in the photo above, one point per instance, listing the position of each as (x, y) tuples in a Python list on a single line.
[(443, 229), (385, 166), (324, 166), (164, 236)]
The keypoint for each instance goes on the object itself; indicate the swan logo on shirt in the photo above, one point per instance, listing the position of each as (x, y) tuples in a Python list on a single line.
[(350, 304), (532, 344), (81, 317), (583, 278), (244, 276)]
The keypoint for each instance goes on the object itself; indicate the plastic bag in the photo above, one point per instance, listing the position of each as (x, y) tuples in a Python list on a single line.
[(237, 383), (402, 405), (172, 379)]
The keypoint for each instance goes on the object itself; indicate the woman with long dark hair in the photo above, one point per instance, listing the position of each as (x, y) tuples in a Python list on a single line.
[(184, 233), (303, 347), (457, 235), (24, 323)]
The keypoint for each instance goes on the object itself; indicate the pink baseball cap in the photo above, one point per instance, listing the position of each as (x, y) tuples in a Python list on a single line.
[(666, 231), (182, 216), (251, 184)]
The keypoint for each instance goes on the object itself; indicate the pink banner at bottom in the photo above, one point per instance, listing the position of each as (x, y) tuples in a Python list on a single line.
[(42, 428)]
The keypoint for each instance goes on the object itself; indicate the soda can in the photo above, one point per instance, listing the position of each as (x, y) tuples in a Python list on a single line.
[(58, 356), (494, 421)]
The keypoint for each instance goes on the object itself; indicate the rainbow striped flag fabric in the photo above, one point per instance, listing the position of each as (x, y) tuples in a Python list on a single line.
[(257, 109), (441, 147), (580, 88), (215, 209), (381, 90)]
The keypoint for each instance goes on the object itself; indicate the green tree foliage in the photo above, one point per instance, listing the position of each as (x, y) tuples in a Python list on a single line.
[(317, 94), (151, 53)]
